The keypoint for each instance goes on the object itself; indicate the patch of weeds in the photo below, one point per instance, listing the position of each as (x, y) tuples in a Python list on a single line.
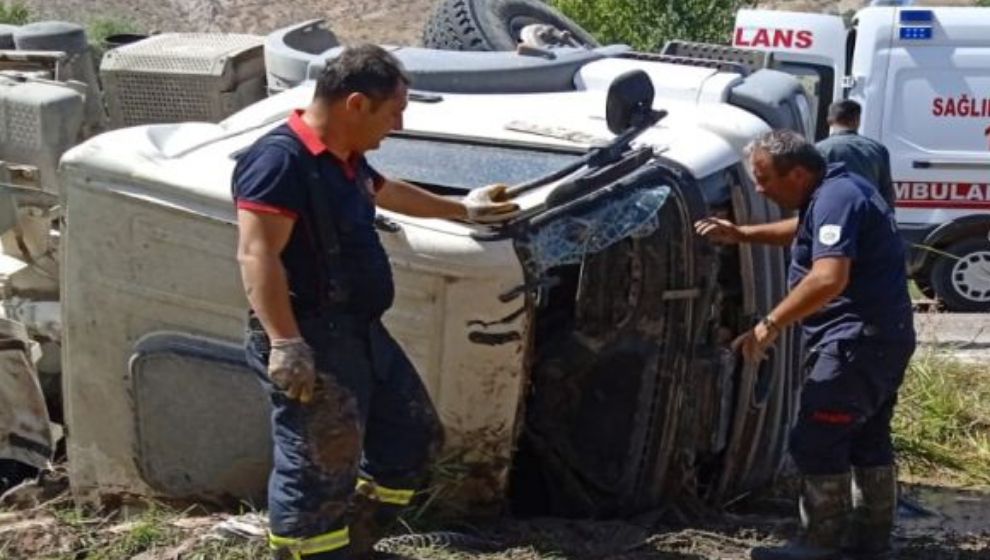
[(942, 425), (915, 292), (73, 517), (227, 550), (151, 530), (99, 28), (14, 13), (447, 477)]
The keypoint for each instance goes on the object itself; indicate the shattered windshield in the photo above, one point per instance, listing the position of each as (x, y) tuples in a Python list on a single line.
[(569, 239), (463, 166)]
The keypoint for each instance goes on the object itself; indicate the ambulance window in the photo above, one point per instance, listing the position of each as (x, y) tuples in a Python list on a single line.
[(818, 81)]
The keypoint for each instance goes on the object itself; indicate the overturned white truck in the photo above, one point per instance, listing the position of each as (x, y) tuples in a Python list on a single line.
[(578, 356)]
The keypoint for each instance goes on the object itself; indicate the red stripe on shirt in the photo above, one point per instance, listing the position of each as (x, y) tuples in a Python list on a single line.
[(311, 139), (306, 135), (262, 208)]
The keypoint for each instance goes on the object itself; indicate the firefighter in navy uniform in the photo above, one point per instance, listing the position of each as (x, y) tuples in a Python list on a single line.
[(353, 427), (849, 291)]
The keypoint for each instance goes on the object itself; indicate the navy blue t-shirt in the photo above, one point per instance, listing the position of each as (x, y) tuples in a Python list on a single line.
[(847, 217), (269, 179)]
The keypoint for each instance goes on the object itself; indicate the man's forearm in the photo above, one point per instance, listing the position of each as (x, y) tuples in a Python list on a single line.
[(780, 233), (404, 198), (267, 290), (810, 295)]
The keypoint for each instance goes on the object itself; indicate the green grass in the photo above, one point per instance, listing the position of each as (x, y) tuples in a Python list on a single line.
[(77, 534), (914, 292), (942, 423), (14, 13), (99, 28)]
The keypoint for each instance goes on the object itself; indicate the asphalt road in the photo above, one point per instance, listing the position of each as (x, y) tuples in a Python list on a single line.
[(965, 335)]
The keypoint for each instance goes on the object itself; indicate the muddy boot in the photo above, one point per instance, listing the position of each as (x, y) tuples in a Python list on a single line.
[(825, 505), (874, 499), (369, 522)]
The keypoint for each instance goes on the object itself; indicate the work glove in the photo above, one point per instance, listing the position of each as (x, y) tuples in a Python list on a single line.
[(490, 204), (291, 368)]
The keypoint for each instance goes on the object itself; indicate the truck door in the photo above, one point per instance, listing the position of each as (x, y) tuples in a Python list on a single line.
[(812, 47), (936, 124)]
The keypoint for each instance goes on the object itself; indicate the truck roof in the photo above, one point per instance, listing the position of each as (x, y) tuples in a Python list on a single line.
[(191, 163)]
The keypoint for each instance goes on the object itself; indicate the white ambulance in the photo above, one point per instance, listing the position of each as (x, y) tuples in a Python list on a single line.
[(922, 76)]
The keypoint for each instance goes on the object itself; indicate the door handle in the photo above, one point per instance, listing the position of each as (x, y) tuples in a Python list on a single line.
[(948, 164)]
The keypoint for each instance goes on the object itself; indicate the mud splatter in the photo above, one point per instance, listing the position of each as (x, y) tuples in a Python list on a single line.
[(333, 429)]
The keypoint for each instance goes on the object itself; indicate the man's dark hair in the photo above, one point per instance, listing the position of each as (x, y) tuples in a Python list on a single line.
[(788, 149), (367, 69), (845, 112)]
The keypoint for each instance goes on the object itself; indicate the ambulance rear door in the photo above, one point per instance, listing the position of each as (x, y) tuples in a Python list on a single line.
[(812, 47)]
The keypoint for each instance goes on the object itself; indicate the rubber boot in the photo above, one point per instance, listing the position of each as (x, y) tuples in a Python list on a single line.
[(825, 505), (874, 500), (370, 521)]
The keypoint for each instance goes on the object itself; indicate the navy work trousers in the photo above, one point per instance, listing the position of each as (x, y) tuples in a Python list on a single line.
[(370, 417), (847, 403)]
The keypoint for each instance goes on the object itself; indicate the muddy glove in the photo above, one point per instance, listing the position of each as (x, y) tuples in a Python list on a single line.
[(490, 204), (291, 368)]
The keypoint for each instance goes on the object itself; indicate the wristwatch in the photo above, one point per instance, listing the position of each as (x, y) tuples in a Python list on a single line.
[(769, 324)]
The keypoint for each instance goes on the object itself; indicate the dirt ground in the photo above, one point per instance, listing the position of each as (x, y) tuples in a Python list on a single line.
[(934, 524), (383, 21), (397, 22)]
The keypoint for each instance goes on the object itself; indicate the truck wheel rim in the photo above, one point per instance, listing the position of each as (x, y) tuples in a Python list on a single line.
[(971, 276)]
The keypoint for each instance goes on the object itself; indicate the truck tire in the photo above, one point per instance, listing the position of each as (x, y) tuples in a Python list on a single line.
[(923, 282), (51, 36), (962, 282), (492, 25)]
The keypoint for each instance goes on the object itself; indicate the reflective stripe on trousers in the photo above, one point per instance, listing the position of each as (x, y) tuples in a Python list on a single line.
[(391, 496), (327, 542)]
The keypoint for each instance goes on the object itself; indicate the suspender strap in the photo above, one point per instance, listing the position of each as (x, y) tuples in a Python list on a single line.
[(327, 239)]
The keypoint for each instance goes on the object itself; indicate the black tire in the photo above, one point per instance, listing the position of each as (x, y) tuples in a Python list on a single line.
[(924, 285), (492, 25), (13, 473), (962, 281), (51, 36)]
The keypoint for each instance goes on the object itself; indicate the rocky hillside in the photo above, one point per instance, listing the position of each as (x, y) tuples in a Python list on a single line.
[(383, 21)]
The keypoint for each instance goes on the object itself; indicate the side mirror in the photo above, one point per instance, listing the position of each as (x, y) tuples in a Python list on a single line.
[(630, 101)]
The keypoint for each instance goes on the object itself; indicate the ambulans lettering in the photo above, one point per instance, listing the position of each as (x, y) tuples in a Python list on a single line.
[(942, 195), (962, 106), (776, 38)]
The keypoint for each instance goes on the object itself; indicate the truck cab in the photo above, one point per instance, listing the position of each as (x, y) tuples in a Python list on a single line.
[(922, 78)]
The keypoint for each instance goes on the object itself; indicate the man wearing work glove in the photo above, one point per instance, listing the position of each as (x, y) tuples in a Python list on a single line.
[(848, 289), (349, 410)]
